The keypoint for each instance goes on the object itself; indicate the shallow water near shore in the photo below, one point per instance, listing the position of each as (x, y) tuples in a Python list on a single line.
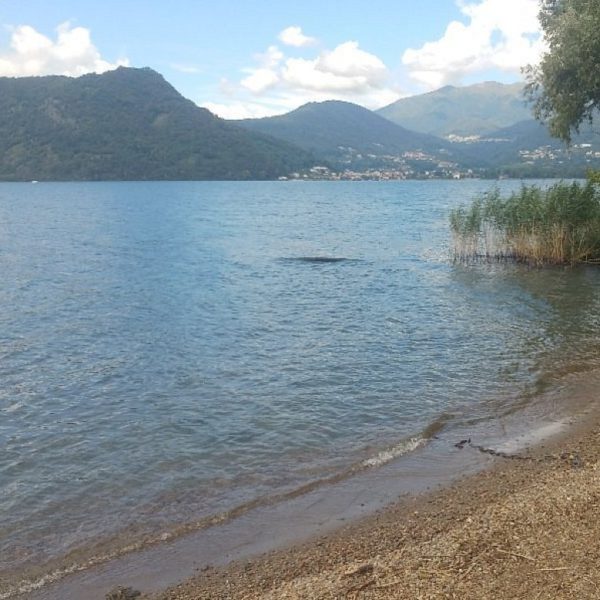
[(172, 352)]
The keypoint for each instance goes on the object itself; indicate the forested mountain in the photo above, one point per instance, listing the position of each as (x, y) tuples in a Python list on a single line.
[(126, 124), (465, 111), (130, 124), (345, 133)]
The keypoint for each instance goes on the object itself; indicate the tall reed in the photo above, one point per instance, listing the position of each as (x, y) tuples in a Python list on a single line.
[(558, 225)]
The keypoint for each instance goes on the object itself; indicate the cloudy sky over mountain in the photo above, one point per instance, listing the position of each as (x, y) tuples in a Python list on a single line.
[(244, 59)]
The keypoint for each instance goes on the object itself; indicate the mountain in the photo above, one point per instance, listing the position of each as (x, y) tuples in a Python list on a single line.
[(464, 111), (346, 134), (503, 146), (130, 124), (126, 124), (527, 149)]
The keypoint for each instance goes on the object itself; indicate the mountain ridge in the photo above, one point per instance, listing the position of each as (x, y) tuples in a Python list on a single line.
[(345, 133), (126, 124), (477, 109), (130, 124)]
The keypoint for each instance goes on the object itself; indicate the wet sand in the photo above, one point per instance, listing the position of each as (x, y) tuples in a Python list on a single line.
[(528, 527)]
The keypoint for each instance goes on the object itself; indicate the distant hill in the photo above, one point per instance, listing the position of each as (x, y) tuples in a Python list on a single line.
[(527, 149), (503, 145), (342, 132), (473, 110), (130, 124), (126, 124), (348, 136)]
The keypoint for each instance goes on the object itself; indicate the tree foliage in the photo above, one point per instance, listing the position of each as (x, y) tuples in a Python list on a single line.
[(565, 87), (126, 124)]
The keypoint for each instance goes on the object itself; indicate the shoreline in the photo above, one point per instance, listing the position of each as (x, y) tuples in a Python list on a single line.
[(325, 510), (527, 527), (360, 503)]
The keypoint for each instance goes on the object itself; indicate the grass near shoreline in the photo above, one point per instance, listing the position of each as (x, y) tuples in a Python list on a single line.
[(558, 225)]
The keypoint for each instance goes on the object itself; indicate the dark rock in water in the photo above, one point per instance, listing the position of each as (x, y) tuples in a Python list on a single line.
[(327, 259), (122, 593), (319, 259)]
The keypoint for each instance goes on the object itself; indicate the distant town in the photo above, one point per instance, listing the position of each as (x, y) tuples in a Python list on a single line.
[(443, 171), (406, 166)]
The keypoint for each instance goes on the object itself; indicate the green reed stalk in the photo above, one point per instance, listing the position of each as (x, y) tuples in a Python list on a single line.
[(558, 225)]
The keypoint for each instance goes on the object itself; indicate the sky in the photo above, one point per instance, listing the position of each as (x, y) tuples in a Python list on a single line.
[(260, 58)]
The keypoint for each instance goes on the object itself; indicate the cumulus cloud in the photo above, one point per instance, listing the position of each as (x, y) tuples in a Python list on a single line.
[(279, 83), (346, 68), (260, 80), (348, 60), (71, 53), (500, 34), (271, 58), (265, 76), (293, 36)]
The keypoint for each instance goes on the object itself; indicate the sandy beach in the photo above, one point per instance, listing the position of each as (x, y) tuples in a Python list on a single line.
[(526, 528)]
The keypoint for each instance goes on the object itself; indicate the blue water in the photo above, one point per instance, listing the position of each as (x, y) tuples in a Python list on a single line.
[(169, 351)]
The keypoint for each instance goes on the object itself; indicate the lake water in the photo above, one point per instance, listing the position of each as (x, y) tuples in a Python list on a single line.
[(173, 351)]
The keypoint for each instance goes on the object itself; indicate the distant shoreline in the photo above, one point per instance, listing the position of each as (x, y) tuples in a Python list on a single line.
[(292, 180)]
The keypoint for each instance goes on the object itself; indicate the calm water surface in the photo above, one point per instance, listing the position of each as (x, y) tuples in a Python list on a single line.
[(169, 351)]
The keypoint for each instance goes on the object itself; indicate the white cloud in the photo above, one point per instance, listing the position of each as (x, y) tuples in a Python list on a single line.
[(348, 60), (71, 53), (279, 83), (347, 68), (293, 36), (260, 80), (240, 110), (271, 58), (500, 34)]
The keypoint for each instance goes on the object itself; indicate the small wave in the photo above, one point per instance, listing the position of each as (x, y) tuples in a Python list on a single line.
[(13, 407), (386, 456), (408, 445), (381, 458)]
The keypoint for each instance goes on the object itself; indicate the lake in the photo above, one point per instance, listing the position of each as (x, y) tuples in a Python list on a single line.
[(173, 351)]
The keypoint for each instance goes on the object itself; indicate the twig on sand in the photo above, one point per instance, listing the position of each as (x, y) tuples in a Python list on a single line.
[(515, 554), (361, 570)]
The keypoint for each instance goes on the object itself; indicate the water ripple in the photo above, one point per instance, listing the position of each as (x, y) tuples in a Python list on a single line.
[(168, 352)]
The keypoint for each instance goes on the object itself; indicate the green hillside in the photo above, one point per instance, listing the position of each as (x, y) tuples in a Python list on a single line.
[(127, 124), (130, 124), (526, 149), (345, 133), (473, 110)]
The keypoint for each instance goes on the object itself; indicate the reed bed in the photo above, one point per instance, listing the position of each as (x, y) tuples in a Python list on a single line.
[(557, 225)]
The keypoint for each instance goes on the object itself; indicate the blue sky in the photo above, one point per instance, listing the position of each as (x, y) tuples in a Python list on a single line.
[(258, 58)]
